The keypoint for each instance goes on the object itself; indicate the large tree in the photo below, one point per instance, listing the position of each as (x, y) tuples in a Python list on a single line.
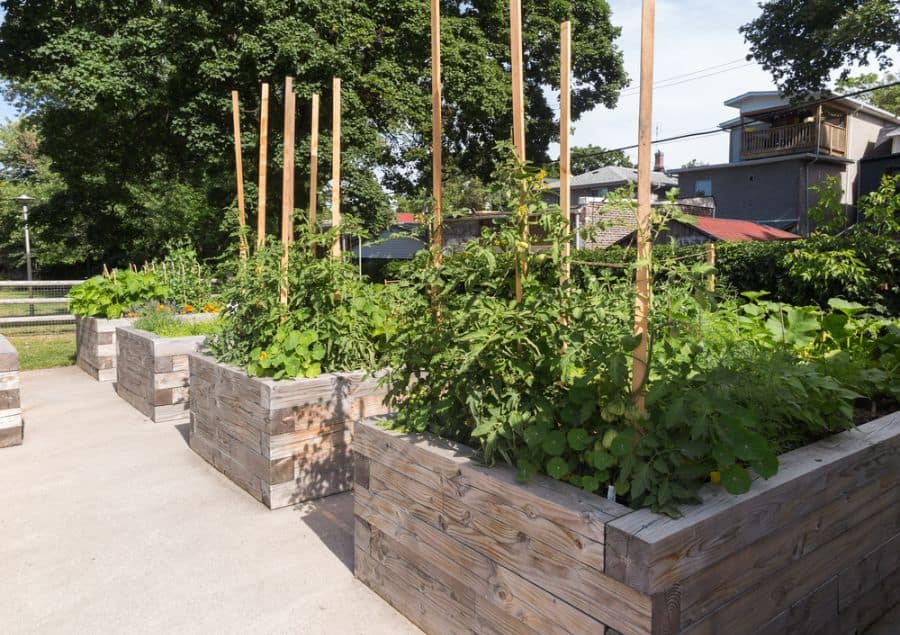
[(802, 42), (884, 98), (590, 157), (132, 97)]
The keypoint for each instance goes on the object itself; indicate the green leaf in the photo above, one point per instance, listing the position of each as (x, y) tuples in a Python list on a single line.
[(578, 439), (554, 443), (557, 467), (735, 479), (845, 307)]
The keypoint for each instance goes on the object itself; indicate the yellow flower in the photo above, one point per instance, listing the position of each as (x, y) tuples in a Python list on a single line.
[(210, 308), (715, 477), (263, 355)]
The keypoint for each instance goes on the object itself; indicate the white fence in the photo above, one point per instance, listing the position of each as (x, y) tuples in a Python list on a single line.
[(36, 305)]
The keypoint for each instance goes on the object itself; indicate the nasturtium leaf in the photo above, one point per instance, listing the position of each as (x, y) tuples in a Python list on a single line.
[(557, 467), (735, 479), (622, 444), (601, 460), (767, 466), (554, 443), (534, 435), (578, 439)]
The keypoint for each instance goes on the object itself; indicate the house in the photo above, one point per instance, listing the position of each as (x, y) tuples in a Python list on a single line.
[(872, 169), (605, 226), (779, 150), (600, 182)]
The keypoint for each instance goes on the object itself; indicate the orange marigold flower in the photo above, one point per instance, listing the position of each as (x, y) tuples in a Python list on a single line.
[(188, 308)]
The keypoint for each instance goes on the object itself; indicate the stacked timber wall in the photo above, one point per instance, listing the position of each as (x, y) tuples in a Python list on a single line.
[(283, 441), (11, 426), (95, 344), (458, 547), (153, 373)]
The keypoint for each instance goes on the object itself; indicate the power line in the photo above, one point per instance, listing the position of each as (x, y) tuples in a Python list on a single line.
[(630, 92), (677, 79), (702, 133)]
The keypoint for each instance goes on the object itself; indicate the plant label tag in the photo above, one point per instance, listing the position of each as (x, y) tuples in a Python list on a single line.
[(611, 493)]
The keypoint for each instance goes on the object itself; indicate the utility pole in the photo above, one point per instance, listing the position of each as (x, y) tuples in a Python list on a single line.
[(24, 199)]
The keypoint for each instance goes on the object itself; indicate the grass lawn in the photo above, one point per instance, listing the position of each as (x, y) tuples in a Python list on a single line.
[(44, 351)]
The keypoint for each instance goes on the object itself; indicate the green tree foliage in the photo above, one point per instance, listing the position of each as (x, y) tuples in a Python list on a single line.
[(884, 98), (132, 98), (591, 157), (801, 42)]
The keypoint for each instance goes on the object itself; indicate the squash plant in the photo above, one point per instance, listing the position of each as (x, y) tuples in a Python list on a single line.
[(112, 296)]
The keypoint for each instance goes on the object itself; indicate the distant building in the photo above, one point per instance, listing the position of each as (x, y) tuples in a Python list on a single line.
[(600, 182), (779, 150), (872, 170)]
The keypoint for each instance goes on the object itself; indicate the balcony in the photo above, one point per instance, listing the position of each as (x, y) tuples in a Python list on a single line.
[(822, 138)]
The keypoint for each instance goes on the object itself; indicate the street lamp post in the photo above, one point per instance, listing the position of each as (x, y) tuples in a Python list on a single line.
[(24, 199)]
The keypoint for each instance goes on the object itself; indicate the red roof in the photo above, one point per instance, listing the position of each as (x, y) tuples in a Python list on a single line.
[(732, 230), (403, 217)]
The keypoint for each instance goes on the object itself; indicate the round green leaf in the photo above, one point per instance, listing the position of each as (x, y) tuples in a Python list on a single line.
[(554, 443), (557, 467), (735, 479), (578, 439)]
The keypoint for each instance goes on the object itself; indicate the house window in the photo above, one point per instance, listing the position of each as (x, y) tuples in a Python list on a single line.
[(703, 187), (601, 192)]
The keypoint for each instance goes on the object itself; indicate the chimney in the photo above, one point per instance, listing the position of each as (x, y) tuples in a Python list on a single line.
[(660, 165)]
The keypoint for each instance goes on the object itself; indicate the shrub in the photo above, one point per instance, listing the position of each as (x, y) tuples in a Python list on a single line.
[(162, 322), (112, 296)]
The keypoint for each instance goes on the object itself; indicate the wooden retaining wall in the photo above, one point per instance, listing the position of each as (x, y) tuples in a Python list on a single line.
[(95, 344), (458, 547), (12, 428), (283, 441), (153, 373)]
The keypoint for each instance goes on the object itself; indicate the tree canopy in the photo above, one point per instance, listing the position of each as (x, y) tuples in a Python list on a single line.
[(802, 42), (884, 98), (132, 98), (590, 157)]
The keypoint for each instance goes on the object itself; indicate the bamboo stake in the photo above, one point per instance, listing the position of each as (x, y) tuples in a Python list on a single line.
[(565, 123), (518, 99), (436, 134), (336, 168), (287, 184), (239, 167), (711, 261), (314, 165), (644, 248), (263, 166)]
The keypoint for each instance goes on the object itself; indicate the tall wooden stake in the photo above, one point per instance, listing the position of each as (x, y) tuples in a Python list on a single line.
[(711, 261), (518, 103), (239, 167), (263, 166), (518, 89), (644, 229), (287, 183), (336, 168), (437, 238), (565, 124), (314, 164)]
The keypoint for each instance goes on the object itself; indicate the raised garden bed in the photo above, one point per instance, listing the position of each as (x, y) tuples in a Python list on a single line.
[(459, 547), (153, 372), (11, 426), (283, 441), (95, 345)]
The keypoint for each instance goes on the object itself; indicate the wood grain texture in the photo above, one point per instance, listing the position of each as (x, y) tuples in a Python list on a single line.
[(12, 427), (95, 346), (284, 442)]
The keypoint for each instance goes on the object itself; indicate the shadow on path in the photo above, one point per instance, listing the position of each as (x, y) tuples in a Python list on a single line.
[(331, 519)]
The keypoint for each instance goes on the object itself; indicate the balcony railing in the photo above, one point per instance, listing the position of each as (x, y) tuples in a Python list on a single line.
[(798, 137)]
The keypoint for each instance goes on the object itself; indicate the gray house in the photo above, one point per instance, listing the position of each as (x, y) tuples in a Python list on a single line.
[(779, 150), (600, 182)]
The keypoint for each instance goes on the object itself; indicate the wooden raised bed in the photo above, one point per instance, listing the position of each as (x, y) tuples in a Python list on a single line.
[(95, 345), (12, 428), (458, 547), (153, 373), (283, 441)]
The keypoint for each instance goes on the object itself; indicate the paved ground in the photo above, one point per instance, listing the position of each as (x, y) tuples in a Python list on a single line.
[(109, 523)]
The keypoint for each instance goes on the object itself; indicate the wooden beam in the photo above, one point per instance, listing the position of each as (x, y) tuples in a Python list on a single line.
[(437, 238), (263, 166), (336, 167), (518, 90), (644, 228), (711, 261), (239, 168), (314, 164), (287, 183), (565, 124)]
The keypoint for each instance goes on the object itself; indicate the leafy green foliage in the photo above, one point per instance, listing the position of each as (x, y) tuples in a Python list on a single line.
[(334, 321), (189, 280), (801, 43), (115, 295), (162, 322), (545, 384), (884, 98)]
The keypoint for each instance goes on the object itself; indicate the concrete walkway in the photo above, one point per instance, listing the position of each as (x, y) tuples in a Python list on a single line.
[(109, 523)]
